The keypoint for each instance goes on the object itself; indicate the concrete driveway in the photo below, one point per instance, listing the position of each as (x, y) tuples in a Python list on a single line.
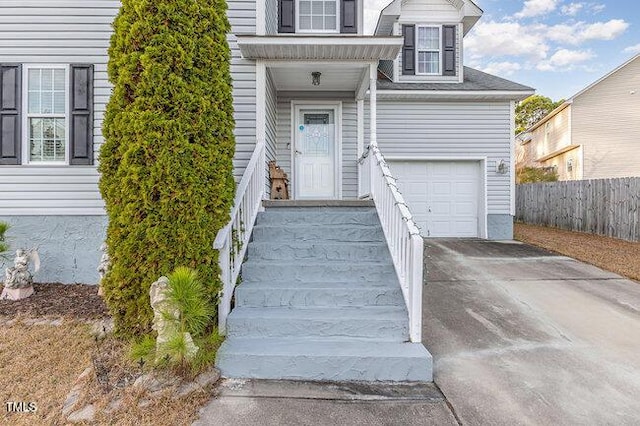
[(523, 336)]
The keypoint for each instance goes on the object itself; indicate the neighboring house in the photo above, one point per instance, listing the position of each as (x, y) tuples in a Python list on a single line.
[(444, 128), (594, 134)]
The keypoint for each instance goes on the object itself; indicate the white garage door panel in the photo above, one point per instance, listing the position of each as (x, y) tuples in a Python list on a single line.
[(443, 195)]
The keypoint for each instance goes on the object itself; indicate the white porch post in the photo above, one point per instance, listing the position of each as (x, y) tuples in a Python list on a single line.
[(373, 125), (360, 125), (373, 108), (261, 113)]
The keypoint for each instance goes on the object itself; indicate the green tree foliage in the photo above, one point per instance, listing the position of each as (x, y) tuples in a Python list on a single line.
[(536, 174), (4, 247), (166, 164), (532, 110)]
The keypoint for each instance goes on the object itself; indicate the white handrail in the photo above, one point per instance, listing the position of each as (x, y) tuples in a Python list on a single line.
[(402, 234), (231, 241)]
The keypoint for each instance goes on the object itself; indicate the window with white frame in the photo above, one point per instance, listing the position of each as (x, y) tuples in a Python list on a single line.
[(318, 15), (428, 49), (46, 114)]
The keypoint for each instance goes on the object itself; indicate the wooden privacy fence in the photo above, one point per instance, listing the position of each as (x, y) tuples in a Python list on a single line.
[(608, 207)]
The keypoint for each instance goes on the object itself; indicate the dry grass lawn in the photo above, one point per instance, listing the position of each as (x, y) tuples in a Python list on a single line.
[(39, 364), (618, 256)]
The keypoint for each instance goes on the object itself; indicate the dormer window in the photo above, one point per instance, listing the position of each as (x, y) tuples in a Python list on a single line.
[(428, 50), (318, 16)]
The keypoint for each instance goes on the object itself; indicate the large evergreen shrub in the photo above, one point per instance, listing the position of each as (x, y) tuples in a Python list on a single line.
[(166, 163), (4, 247)]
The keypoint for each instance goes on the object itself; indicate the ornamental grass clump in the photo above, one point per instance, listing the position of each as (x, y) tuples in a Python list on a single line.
[(166, 164)]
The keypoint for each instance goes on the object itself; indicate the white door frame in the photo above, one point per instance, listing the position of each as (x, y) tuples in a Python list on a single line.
[(336, 106), (483, 202)]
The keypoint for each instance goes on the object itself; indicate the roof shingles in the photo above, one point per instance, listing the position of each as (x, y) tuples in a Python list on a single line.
[(474, 80)]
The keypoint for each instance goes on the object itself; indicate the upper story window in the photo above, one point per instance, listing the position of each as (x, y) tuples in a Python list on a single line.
[(46, 95), (318, 16), (428, 50)]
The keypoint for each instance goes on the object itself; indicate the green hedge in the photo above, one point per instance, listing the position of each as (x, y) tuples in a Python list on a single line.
[(166, 163)]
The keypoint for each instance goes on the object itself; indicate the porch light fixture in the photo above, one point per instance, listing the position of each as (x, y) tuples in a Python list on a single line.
[(315, 78), (501, 167)]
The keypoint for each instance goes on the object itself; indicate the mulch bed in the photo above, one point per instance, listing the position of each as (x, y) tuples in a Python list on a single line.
[(77, 301), (611, 254)]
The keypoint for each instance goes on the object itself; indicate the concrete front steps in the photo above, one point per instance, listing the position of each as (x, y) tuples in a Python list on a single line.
[(319, 300)]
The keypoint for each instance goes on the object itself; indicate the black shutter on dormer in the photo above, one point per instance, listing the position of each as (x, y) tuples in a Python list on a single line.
[(409, 50), (286, 16), (81, 125), (348, 17), (449, 50), (10, 113)]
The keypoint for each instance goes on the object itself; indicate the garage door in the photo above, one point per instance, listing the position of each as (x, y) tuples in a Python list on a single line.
[(443, 195)]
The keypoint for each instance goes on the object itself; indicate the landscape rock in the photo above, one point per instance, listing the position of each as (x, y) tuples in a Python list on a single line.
[(70, 404), (202, 381), (102, 328), (85, 414), (155, 382), (113, 406)]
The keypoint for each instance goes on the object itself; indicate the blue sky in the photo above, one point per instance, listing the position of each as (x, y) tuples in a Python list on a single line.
[(556, 46)]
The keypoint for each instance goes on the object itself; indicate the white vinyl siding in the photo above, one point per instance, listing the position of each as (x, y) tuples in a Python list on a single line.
[(349, 139), (605, 122), (271, 16), (242, 16), (56, 32), (78, 31), (271, 118), (452, 131)]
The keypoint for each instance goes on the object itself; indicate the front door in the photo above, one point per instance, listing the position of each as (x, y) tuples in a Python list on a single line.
[(315, 153)]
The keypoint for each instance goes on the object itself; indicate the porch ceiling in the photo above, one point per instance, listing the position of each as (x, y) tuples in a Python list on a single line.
[(333, 77), (295, 47)]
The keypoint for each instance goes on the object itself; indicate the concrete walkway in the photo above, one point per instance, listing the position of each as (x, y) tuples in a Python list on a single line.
[(522, 336), (280, 403)]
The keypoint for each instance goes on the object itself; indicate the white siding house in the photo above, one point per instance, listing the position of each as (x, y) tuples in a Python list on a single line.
[(593, 135), (310, 89)]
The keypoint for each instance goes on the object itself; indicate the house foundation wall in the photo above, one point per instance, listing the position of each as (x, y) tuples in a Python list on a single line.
[(69, 246), (499, 227)]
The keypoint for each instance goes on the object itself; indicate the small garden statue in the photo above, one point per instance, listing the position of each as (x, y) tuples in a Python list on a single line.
[(18, 281), (166, 319), (279, 182), (103, 267)]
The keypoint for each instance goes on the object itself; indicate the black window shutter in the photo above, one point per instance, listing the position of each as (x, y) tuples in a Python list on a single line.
[(81, 120), (449, 50), (409, 50), (348, 17), (286, 16), (10, 114)]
